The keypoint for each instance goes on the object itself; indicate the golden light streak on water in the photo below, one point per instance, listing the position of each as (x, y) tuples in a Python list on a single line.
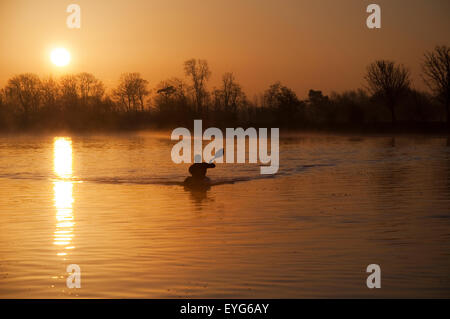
[(63, 157), (63, 194)]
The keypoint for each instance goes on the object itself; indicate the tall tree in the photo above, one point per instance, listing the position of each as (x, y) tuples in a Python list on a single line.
[(50, 92), (89, 86), (171, 96), (230, 96), (436, 73), (233, 95), (132, 91), (171, 91), (199, 73), (69, 88), (389, 81), (25, 89), (284, 103)]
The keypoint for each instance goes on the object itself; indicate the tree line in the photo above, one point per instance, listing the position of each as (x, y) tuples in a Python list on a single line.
[(81, 101)]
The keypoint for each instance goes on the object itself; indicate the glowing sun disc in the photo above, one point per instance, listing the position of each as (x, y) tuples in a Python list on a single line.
[(60, 57)]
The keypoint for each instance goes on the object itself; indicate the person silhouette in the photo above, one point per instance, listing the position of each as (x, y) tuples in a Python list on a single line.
[(198, 172)]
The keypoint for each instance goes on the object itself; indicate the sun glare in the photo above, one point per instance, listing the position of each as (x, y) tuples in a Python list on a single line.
[(63, 157), (60, 57)]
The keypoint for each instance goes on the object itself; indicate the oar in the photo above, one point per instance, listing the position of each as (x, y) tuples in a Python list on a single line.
[(218, 154)]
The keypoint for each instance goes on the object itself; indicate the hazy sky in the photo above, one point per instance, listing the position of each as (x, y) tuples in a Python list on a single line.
[(319, 44)]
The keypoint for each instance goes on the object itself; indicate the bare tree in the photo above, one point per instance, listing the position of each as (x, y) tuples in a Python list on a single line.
[(25, 89), (436, 73), (389, 81), (69, 88), (132, 91), (89, 86), (171, 91), (230, 95), (199, 72), (165, 89), (171, 101), (180, 88), (49, 92)]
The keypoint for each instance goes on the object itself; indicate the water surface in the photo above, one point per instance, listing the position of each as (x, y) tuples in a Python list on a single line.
[(113, 205)]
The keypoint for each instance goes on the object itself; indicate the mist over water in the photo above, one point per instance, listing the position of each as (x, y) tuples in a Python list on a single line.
[(113, 204)]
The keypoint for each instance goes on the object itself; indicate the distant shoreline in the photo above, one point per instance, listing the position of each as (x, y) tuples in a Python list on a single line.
[(368, 129)]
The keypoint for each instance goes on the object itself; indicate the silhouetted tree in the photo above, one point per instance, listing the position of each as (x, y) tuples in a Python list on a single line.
[(436, 73), (2, 97), (3, 110), (166, 90), (418, 107), (229, 97), (173, 90), (316, 97), (349, 106), (69, 91), (50, 92), (284, 104), (132, 91), (388, 81), (319, 109), (171, 101), (90, 87), (199, 73), (25, 90), (79, 101)]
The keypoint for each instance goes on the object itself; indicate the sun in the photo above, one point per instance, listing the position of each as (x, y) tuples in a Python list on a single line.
[(60, 57)]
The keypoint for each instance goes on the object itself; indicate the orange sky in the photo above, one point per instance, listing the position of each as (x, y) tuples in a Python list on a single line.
[(319, 44)]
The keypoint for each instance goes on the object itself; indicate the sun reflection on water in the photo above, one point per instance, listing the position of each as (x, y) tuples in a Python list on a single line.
[(63, 157), (63, 194)]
